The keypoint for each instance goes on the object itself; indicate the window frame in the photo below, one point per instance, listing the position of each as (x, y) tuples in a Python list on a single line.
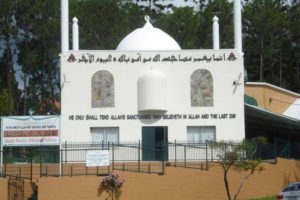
[(199, 133), (105, 132)]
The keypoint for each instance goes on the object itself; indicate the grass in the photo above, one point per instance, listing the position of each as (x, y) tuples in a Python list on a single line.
[(266, 198)]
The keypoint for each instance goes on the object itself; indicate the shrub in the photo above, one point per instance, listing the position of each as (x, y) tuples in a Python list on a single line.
[(112, 184)]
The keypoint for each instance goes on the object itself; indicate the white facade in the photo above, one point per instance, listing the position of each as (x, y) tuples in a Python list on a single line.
[(152, 89)]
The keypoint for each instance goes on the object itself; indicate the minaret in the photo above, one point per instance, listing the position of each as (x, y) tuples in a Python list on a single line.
[(75, 34), (216, 37), (64, 26), (238, 26)]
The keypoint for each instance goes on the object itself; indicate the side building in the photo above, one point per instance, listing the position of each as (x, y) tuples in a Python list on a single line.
[(272, 112)]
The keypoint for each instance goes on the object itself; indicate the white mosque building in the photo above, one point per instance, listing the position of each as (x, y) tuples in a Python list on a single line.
[(151, 90), (147, 90)]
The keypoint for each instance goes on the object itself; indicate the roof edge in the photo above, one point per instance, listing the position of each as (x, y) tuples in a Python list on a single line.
[(273, 87), (272, 113)]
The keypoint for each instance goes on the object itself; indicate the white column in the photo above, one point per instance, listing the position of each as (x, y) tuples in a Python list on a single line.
[(216, 37), (64, 26), (75, 34), (1, 149), (238, 26)]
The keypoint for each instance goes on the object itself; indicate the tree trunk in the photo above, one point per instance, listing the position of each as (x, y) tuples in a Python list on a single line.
[(280, 70), (272, 68), (242, 184), (10, 74), (261, 70), (226, 184), (25, 94), (297, 78)]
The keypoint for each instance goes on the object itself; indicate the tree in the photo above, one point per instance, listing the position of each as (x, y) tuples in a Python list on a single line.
[(134, 15), (193, 29), (294, 18), (223, 10), (152, 7), (38, 45), (182, 25), (102, 23), (265, 28), (8, 33), (4, 103), (239, 157)]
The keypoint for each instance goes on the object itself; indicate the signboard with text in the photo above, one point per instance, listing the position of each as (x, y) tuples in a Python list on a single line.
[(97, 158), (30, 130)]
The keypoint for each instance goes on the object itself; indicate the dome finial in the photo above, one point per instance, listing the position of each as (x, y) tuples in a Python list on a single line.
[(147, 18), (148, 24), (148, 38)]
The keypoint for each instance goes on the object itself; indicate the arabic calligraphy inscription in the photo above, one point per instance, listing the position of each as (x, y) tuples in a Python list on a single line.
[(88, 58)]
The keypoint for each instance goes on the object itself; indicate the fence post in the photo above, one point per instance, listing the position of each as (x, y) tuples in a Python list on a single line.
[(40, 163), (290, 149), (206, 155), (163, 166), (175, 153), (211, 151), (31, 166), (113, 157), (166, 150), (260, 150), (225, 150), (184, 155), (275, 143), (2, 163), (139, 157), (243, 152), (109, 154), (4, 173), (61, 163), (66, 151)]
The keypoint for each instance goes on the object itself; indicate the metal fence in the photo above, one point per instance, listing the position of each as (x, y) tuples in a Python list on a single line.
[(287, 149), (189, 155), (177, 153), (16, 164), (125, 157), (70, 159)]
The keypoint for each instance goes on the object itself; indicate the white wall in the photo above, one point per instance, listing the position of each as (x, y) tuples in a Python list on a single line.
[(76, 93)]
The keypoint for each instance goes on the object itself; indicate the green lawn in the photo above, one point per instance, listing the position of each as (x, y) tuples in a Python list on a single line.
[(266, 198)]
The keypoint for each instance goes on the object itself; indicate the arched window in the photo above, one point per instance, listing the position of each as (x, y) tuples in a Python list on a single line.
[(102, 90), (202, 89)]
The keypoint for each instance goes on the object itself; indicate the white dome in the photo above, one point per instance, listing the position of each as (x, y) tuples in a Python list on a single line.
[(148, 38)]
